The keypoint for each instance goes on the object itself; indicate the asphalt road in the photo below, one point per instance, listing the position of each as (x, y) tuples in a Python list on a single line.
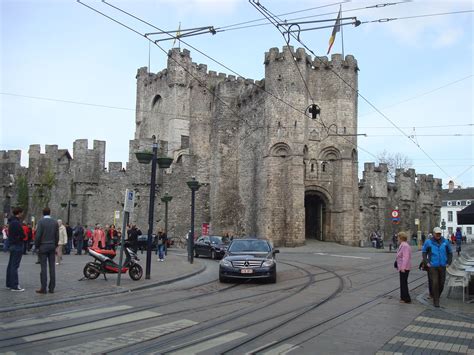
[(324, 302)]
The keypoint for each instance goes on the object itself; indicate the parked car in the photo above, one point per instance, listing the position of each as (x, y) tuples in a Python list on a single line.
[(249, 258), (142, 242), (213, 246)]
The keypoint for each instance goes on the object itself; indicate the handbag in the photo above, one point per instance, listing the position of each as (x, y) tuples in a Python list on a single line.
[(395, 264)]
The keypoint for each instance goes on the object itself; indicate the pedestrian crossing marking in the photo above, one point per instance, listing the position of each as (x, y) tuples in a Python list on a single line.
[(92, 326), (125, 339), (432, 345), (61, 317), (440, 332), (444, 322), (281, 350), (209, 344)]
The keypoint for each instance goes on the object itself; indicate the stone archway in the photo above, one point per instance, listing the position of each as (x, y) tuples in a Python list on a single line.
[(316, 210)]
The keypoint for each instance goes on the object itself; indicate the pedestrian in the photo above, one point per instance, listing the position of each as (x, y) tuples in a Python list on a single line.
[(62, 242), (79, 237), (458, 240), (437, 254), (133, 234), (160, 249), (69, 239), (403, 262), (26, 231), (46, 242), (5, 238), (15, 242), (98, 238), (87, 238)]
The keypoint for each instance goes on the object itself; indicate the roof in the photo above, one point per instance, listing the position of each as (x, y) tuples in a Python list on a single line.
[(466, 215), (458, 194)]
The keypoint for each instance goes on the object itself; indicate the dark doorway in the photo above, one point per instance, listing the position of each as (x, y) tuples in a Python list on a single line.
[(315, 215)]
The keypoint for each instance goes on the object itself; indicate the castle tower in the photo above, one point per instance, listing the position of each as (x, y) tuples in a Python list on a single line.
[(310, 165)]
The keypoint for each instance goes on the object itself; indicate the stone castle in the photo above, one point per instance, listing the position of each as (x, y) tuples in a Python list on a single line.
[(266, 167)]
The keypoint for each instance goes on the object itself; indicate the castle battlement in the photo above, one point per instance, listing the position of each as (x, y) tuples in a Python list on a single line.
[(288, 54), (10, 156)]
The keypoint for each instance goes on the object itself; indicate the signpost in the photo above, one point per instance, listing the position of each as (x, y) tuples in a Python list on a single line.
[(127, 209), (395, 216)]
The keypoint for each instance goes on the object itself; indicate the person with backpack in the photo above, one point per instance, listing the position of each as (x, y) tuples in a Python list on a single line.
[(437, 254), (79, 237)]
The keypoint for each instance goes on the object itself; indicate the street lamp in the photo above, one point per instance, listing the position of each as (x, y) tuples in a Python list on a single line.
[(194, 185), (163, 163), (68, 204), (166, 198)]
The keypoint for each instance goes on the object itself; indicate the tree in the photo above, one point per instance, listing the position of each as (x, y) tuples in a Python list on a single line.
[(42, 195), (394, 161), (23, 193)]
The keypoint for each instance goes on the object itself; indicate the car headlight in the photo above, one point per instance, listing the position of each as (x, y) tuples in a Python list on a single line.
[(226, 263), (268, 263)]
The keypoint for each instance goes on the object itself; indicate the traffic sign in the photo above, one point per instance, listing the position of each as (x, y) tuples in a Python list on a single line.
[(395, 214), (129, 201)]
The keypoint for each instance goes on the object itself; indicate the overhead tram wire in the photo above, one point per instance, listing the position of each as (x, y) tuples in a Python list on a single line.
[(229, 27), (363, 97)]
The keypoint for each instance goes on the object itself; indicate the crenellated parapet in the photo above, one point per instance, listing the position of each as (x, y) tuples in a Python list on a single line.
[(10, 156)]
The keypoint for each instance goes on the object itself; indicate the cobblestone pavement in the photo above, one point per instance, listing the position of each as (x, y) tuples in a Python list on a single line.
[(71, 285), (434, 332)]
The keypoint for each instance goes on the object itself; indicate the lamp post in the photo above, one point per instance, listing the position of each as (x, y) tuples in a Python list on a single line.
[(69, 204), (163, 163), (166, 198), (194, 185)]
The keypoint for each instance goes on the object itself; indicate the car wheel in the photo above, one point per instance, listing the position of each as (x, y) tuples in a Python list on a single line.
[(213, 255), (222, 279)]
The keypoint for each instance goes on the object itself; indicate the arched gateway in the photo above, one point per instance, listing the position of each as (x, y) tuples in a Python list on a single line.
[(316, 215)]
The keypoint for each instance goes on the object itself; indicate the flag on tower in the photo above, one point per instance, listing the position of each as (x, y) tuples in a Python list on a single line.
[(336, 29), (177, 34)]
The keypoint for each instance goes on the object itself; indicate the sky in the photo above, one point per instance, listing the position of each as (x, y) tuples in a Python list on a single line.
[(68, 72)]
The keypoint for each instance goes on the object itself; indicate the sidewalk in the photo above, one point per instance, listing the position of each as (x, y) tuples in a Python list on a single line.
[(70, 284)]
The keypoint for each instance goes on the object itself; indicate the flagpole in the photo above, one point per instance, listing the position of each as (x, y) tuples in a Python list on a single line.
[(342, 34), (149, 51)]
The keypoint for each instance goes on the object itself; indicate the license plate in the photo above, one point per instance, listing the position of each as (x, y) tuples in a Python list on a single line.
[(246, 271)]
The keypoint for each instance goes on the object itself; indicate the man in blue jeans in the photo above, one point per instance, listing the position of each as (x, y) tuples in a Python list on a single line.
[(437, 253), (15, 241)]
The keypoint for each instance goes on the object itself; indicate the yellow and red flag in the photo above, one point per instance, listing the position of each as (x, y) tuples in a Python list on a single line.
[(336, 29)]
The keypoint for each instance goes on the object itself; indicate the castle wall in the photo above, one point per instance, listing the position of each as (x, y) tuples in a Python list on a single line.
[(253, 147), (417, 197)]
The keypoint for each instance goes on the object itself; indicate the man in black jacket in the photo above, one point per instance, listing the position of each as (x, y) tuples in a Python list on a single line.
[(46, 241), (15, 241)]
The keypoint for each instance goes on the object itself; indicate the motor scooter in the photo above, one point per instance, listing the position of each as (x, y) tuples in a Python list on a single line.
[(104, 264)]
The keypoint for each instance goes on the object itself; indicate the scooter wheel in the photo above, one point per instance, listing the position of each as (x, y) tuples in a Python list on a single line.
[(135, 272), (90, 272)]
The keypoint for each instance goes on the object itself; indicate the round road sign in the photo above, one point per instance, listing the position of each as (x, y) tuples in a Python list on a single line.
[(395, 214)]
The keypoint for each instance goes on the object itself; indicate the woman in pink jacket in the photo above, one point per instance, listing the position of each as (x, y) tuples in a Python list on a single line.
[(98, 238), (404, 266)]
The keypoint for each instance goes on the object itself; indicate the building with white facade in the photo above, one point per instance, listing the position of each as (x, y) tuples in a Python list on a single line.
[(453, 201)]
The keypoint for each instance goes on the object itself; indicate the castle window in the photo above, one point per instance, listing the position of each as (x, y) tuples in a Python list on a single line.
[(179, 160), (184, 142), (156, 99), (312, 168), (323, 166)]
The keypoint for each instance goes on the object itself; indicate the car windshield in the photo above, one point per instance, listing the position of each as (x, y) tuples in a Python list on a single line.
[(218, 240), (239, 246)]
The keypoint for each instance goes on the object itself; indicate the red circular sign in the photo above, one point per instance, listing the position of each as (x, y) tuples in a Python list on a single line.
[(395, 214)]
